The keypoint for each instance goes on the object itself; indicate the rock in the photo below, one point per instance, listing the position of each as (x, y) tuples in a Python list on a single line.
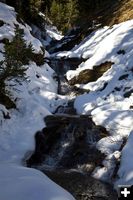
[(66, 110), (68, 141), (123, 76), (82, 186), (90, 75), (74, 36), (62, 65), (131, 107), (6, 115), (1, 23), (122, 51), (6, 101), (128, 93)]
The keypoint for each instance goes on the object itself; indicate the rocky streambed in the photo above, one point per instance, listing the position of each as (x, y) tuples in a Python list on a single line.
[(81, 185), (66, 150)]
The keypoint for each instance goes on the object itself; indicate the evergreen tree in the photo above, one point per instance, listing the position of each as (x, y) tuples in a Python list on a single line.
[(55, 12), (16, 55), (72, 12), (64, 13)]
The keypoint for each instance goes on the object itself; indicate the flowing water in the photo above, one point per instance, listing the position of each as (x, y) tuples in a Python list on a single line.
[(66, 148)]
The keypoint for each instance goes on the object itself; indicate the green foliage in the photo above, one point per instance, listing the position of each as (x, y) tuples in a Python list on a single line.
[(16, 55), (64, 14), (72, 12)]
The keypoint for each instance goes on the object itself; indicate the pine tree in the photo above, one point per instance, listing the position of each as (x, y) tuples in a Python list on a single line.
[(35, 5), (72, 12), (64, 13), (16, 55), (55, 12)]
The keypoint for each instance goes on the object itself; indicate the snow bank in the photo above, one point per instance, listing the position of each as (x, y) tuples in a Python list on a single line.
[(110, 100), (125, 172), (35, 98), (8, 16), (53, 33), (21, 183)]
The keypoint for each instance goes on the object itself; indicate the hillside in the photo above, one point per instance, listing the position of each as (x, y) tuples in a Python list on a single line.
[(34, 99), (71, 13), (67, 113), (107, 78), (117, 12)]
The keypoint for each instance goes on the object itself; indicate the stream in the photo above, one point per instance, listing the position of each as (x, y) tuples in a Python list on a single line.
[(66, 148)]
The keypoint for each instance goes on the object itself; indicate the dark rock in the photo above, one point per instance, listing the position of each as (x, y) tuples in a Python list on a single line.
[(69, 141), (6, 101), (1, 23), (123, 76), (128, 93), (65, 109), (62, 65), (74, 36), (121, 52), (6, 115), (105, 85), (82, 186), (117, 88), (38, 76), (79, 91)]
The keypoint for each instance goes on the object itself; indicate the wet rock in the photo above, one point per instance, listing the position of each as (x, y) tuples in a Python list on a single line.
[(62, 65), (69, 109), (90, 75), (68, 141), (82, 186), (72, 37)]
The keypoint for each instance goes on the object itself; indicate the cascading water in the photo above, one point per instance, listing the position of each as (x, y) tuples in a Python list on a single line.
[(66, 148)]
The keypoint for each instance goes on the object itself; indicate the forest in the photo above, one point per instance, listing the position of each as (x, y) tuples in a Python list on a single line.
[(66, 99), (64, 14)]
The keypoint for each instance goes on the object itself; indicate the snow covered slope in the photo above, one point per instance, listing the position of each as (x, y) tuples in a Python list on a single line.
[(110, 97), (22, 183), (35, 98), (47, 33)]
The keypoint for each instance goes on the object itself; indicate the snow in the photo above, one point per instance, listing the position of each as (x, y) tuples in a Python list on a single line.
[(35, 98), (53, 33), (103, 45), (47, 33), (8, 16), (21, 183), (126, 169), (110, 107)]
